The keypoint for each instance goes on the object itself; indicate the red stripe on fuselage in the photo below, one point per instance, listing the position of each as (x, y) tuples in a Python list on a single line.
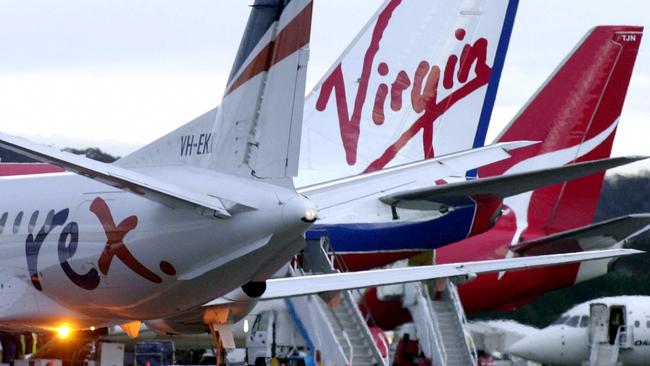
[(14, 169), (491, 292)]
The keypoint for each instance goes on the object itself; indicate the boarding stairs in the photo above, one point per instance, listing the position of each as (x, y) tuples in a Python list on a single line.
[(602, 352), (334, 322), (440, 321)]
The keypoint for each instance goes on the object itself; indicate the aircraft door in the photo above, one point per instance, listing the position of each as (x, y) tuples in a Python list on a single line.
[(616, 324), (598, 328)]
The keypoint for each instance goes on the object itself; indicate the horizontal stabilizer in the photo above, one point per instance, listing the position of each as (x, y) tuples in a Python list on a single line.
[(151, 188), (602, 235), (502, 186), (306, 285), (363, 186)]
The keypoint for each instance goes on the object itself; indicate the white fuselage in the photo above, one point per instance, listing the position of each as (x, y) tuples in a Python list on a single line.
[(78, 251), (567, 341)]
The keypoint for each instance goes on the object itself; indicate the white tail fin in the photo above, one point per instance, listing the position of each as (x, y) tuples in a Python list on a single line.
[(380, 104), (256, 130), (190, 144), (419, 80), (259, 121)]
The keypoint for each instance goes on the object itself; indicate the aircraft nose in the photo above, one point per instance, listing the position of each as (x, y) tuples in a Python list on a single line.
[(524, 348), (540, 347)]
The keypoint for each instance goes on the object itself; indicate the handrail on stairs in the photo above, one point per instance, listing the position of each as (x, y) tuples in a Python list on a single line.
[(462, 318), (295, 270), (613, 356), (337, 263), (424, 294)]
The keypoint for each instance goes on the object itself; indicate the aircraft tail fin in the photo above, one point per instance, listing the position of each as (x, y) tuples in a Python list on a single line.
[(574, 115), (413, 61), (256, 129), (418, 81)]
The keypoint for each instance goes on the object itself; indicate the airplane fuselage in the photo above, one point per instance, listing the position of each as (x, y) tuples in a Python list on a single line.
[(508, 290), (567, 341), (495, 291), (79, 251)]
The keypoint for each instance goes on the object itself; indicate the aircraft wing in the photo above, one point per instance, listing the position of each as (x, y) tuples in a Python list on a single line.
[(502, 186), (307, 285), (333, 193), (114, 176), (602, 235)]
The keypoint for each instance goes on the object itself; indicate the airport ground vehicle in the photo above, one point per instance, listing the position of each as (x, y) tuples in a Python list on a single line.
[(155, 353), (274, 335)]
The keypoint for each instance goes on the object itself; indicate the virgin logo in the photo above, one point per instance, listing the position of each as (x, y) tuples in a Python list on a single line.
[(424, 83)]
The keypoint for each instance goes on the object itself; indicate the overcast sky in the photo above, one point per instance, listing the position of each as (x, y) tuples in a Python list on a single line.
[(120, 73)]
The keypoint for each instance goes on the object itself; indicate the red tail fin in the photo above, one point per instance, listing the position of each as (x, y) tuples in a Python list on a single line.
[(574, 115)]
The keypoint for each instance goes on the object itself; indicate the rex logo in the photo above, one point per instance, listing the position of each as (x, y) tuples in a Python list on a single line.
[(68, 243)]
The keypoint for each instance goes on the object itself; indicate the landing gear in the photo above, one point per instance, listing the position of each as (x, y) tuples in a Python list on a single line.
[(219, 320), (219, 350)]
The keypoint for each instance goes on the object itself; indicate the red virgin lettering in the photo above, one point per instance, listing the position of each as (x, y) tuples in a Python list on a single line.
[(350, 125), (378, 116), (401, 83), (425, 85), (475, 54), (421, 98)]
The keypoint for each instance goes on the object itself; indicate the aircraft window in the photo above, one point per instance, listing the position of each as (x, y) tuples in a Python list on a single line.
[(560, 320), (17, 221), (584, 321), (573, 321), (32, 222), (48, 220), (637, 324), (647, 324), (3, 221)]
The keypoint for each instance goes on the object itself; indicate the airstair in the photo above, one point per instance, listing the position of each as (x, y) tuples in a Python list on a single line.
[(440, 321), (334, 323), (608, 335), (438, 315)]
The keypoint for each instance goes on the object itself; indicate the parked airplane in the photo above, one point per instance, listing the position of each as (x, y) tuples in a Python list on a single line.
[(610, 330), (115, 245), (364, 244), (340, 139), (393, 81), (579, 124), (429, 98)]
